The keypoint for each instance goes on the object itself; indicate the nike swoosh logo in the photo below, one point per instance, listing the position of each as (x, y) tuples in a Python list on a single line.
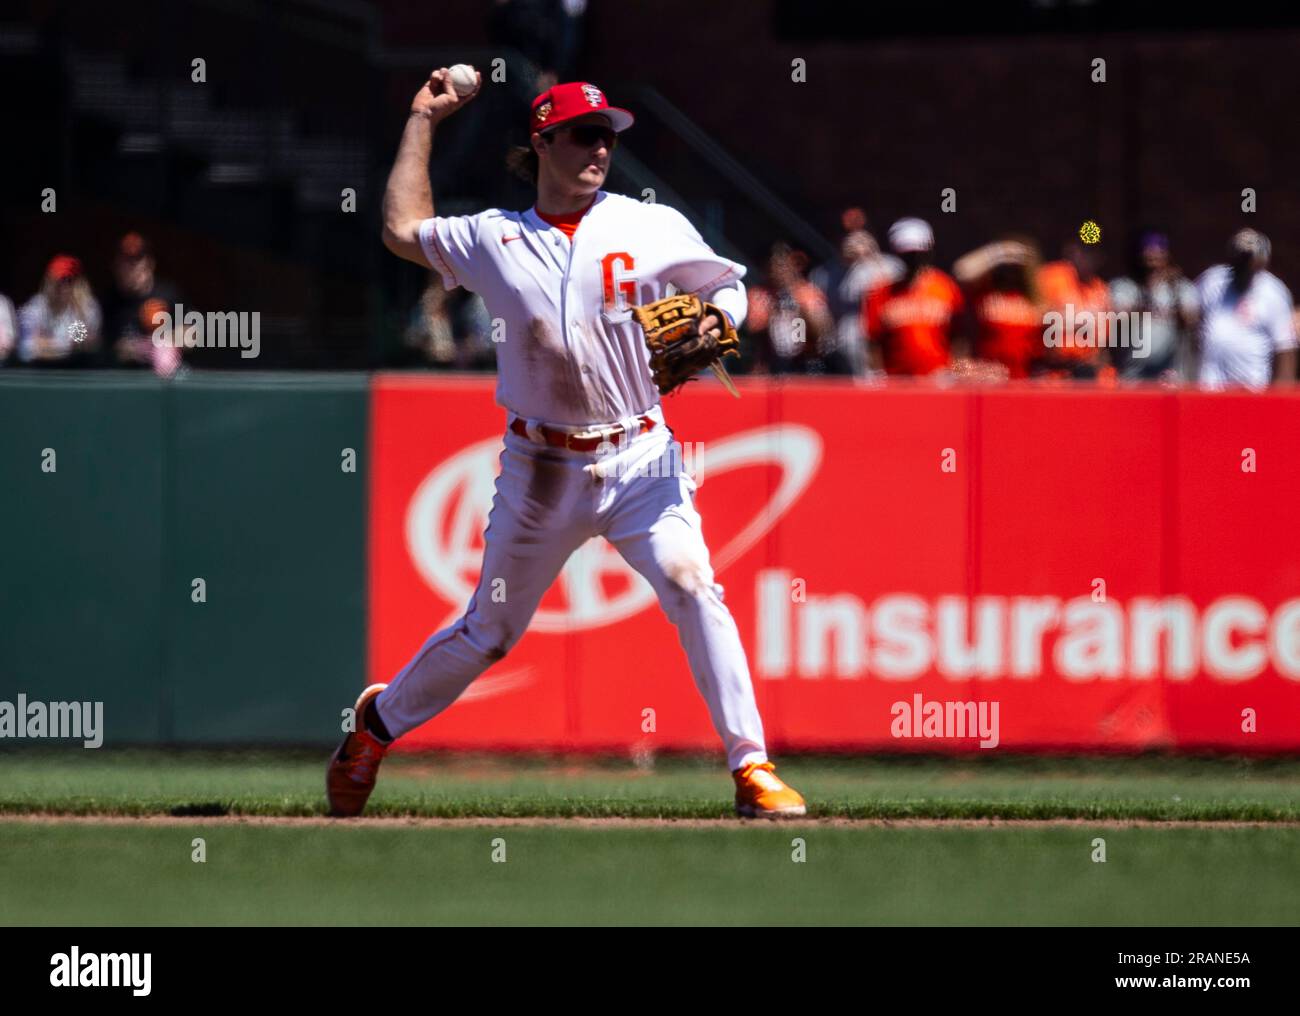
[(507, 239)]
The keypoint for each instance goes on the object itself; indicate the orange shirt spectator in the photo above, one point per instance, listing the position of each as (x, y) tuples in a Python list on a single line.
[(1082, 301), (1010, 330), (911, 321), (1000, 278)]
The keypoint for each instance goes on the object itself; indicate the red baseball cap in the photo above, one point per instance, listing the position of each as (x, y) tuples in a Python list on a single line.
[(572, 99), (64, 266)]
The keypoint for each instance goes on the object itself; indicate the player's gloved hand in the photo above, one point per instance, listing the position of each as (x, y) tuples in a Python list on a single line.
[(685, 335), (437, 100)]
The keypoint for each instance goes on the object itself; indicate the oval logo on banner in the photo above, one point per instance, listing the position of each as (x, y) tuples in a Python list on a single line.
[(449, 511)]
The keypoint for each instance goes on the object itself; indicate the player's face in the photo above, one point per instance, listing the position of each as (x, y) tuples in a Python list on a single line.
[(580, 153)]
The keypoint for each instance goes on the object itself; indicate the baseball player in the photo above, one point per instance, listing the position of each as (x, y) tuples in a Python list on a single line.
[(587, 451)]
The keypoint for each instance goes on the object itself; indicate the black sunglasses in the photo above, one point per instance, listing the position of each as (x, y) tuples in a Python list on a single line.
[(587, 134)]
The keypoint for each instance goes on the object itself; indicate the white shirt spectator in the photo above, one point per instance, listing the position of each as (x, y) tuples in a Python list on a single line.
[(1169, 301), (8, 328), (861, 279), (1240, 332), (66, 330)]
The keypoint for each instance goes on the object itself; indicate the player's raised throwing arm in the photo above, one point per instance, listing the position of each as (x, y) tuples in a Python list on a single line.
[(408, 198)]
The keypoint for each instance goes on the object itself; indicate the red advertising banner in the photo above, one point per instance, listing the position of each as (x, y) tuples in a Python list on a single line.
[(910, 569)]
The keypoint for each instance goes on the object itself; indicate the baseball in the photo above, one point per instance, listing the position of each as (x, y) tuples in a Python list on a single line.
[(463, 79)]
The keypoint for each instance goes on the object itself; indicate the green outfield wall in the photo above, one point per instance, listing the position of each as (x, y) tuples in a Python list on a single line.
[(118, 491)]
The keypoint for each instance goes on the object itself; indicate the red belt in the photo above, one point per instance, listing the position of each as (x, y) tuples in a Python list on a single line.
[(576, 442)]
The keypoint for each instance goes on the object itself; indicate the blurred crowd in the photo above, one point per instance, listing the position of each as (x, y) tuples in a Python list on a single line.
[(449, 330), (63, 324), (1002, 313)]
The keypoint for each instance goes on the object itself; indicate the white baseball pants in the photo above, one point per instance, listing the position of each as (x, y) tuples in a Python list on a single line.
[(548, 502)]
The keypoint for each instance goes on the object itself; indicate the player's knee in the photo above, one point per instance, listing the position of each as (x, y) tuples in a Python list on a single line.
[(492, 640), (689, 584), (497, 647), (689, 573)]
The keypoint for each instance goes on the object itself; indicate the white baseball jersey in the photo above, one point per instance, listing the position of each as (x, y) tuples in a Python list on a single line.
[(1241, 331), (568, 349)]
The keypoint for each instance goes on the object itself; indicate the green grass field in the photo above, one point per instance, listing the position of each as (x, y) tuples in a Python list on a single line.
[(54, 870)]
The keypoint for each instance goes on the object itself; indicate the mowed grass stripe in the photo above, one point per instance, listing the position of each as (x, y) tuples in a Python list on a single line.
[(60, 873), (292, 784)]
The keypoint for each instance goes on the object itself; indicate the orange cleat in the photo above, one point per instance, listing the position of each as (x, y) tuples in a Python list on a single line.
[(355, 765), (760, 793)]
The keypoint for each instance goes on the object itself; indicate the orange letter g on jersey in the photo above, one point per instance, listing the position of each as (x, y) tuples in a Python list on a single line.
[(624, 285)]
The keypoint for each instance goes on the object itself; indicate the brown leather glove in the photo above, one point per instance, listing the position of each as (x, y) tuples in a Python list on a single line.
[(678, 351)]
